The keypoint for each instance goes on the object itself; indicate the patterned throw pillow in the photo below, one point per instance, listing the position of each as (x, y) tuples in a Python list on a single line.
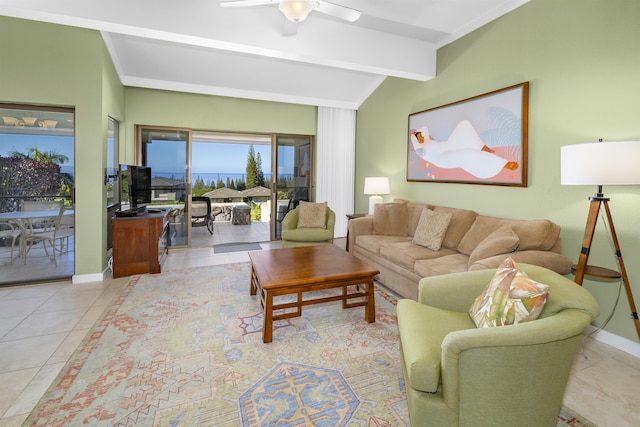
[(431, 229), (312, 215), (510, 298)]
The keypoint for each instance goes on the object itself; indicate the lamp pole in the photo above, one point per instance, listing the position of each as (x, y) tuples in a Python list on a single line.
[(583, 268)]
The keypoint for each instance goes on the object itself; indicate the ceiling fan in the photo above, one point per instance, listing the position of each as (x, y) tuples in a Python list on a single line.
[(298, 10)]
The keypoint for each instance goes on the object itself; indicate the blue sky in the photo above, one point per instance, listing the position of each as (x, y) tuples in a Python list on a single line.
[(227, 158), (10, 142)]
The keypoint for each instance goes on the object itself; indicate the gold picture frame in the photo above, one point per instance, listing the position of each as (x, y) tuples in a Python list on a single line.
[(479, 140)]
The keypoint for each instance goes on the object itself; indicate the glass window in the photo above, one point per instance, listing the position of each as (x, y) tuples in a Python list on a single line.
[(36, 193)]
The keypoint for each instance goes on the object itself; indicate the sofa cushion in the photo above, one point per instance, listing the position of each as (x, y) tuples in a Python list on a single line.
[(373, 243), (450, 262), (511, 297), (390, 219), (312, 215), (407, 253), (501, 241), (431, 229), (533, 234), (461, 220)]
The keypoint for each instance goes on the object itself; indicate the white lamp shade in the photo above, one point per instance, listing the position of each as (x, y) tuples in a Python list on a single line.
[(376, 185), (296, 10), (600, 163)]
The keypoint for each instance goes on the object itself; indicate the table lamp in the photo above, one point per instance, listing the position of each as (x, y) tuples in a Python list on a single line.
[(375, 185), (601, 163)]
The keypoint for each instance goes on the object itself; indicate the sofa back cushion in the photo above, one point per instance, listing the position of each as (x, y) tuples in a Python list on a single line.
[(533, 234), (461, 221), (390, 219), (501, 241), (414, 211)]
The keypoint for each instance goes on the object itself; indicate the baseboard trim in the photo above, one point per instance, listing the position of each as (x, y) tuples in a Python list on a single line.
[(616, 341), (86, 278)]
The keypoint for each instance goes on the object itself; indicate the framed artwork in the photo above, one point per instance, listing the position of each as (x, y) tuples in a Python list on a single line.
[(479, 140)]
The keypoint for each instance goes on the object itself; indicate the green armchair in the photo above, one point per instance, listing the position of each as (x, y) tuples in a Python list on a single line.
[(294, 236), (459, 375)]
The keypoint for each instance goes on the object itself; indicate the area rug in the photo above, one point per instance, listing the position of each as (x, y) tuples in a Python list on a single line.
[(184, 348), (235, 247)]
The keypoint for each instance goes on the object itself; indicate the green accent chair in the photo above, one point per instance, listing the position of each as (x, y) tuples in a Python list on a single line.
[(458, 375), (294, 236)]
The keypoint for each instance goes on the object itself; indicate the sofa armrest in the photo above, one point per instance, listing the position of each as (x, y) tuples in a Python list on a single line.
[(361, 226), (331, 221), (290, 221), (436, 291), (551, 260), (532, 344)]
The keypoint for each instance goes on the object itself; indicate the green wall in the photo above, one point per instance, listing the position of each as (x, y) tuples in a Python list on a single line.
[(55, 65), (164, 108), (582, 59)]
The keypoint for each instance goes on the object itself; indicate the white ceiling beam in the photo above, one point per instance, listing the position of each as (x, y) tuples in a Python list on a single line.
[(255, 31)]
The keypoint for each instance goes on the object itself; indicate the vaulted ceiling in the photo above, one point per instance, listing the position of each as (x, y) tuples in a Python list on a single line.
[(198, 46)]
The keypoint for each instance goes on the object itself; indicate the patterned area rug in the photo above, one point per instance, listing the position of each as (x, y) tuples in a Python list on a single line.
[(185, 348)]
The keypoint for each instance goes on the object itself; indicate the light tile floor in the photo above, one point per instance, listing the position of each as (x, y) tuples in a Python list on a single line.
[(41, 326), (39, 267)]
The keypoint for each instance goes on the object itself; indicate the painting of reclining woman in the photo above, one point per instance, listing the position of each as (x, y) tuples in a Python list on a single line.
[(482, 140)]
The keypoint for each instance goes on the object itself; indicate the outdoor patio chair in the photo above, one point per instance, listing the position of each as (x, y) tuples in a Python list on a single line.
[(201, 213), (10, 230), (49, 231)]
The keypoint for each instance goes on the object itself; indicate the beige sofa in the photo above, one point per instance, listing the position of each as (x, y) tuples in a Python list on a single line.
[(471, 242)]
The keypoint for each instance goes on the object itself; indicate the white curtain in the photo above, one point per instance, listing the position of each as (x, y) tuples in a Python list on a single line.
[(335, 162)]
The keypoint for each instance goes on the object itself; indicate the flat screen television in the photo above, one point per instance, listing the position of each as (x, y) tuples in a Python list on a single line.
[(135, 186)]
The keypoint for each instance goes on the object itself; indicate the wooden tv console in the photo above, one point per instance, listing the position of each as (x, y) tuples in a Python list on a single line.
[(139, 243)]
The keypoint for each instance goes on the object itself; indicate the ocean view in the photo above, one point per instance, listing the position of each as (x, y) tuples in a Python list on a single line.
[(211, 177)]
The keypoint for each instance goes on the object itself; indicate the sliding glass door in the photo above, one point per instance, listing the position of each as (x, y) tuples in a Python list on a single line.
[(226, 168), (36, 193), (293, 162), (167, 151)]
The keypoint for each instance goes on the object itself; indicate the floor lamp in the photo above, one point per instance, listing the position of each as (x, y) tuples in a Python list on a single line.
[(601, 163)]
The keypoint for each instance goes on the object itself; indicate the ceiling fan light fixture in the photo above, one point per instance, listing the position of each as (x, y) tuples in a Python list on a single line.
[(296, 10)]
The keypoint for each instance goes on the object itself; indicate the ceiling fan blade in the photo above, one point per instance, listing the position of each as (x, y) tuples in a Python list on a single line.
[(247, 3), (338, 11)]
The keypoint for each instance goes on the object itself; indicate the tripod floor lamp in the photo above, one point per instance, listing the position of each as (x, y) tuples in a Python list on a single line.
[(601, 163)]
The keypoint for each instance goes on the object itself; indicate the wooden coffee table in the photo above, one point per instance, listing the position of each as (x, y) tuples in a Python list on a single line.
[(297, 270)]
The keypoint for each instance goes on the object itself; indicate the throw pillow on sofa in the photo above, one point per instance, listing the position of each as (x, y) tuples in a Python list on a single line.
[(431, 229), (312, 215), (390, 219), (511, 297), (501, 241)]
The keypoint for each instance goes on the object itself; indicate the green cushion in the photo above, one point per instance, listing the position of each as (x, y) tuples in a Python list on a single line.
[(307, 234)]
